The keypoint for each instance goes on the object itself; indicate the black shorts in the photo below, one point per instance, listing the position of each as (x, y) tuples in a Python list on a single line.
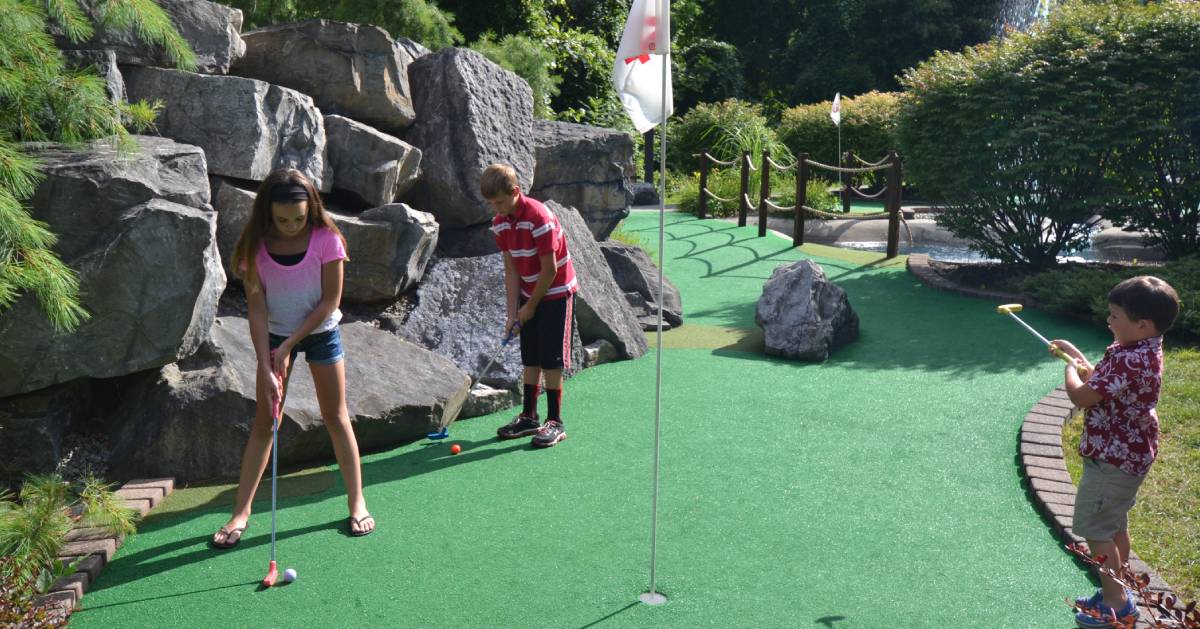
[(546, 338)]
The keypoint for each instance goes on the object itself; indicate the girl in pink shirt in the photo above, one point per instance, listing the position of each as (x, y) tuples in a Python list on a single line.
[(290, 258)]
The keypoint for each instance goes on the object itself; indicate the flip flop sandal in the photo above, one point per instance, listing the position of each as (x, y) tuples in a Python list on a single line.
[(359, 522), (227, 544)]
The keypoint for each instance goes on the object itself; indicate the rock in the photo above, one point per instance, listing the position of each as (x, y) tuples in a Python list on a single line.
[(234, 205), (600, 306), (105, 63), (211, 29), (645, 193), (803, 315), (389, 249), (33, 427), (191, 419), (148, 267), (374, 166), (598, 353), (389, 246), (471, 113), (636, 273), (484, 400), (351, 70), (247, 128), (466, 242), (587, 168), (460, 315), (410, 50)]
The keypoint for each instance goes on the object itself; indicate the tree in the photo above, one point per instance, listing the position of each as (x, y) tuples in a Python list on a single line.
[(418, 20), (42, 100)]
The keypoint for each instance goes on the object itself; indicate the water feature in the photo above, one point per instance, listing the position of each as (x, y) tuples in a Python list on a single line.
[(1021, 14), (959, 253)]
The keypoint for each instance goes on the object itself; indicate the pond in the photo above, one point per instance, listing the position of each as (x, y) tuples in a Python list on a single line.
[(957, 253)]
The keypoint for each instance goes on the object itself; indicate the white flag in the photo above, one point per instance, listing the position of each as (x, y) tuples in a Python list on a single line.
[(835, 112), (638, 70)]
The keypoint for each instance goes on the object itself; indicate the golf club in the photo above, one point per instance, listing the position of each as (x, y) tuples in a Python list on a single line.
[(272, 570), (1012, 309), (513, 331)]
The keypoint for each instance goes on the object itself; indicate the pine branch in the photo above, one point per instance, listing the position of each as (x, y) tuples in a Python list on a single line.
[(152, 26), (71, 17)]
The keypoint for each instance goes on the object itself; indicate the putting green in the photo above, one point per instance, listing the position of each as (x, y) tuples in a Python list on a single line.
[(878, 489)]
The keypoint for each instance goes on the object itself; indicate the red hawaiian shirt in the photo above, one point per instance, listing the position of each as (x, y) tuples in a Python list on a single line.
[(1122, 429)]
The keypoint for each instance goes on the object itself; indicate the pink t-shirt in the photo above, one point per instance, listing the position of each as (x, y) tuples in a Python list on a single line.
[(293, 292)]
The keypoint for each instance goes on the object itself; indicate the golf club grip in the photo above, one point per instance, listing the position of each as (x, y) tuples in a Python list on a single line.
[(1079, 369)]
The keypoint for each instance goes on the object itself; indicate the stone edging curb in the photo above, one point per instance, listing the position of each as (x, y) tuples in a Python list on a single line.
[(97, 547), (1040, 443)]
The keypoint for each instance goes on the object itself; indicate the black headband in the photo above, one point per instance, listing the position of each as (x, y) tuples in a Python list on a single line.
[(289, 191)]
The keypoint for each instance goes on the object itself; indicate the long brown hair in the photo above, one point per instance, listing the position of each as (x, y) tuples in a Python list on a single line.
[(244, 254)]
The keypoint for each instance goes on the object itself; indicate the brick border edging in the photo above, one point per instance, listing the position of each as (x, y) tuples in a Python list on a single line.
[(918, 265), (97, 547), (1051, 488)]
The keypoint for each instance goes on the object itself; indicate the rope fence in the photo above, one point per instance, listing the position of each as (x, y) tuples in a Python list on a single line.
[(890, 193)]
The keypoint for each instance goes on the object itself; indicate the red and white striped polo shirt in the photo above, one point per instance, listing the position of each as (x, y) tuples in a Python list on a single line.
[(532, 231)]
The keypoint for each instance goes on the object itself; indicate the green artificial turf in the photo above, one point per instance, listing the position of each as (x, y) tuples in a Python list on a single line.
[(877, 489)]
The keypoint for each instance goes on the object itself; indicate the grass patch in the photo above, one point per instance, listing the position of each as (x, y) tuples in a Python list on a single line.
[(1165, 523), (619, 234)]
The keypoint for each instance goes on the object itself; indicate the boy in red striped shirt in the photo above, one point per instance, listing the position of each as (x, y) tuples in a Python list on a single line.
[(540, 284)]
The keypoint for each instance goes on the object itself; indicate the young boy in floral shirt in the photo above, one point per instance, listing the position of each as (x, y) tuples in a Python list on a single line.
[(1120, 435)]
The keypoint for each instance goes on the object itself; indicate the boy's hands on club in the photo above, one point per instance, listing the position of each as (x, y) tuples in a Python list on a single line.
[(1077, 360)]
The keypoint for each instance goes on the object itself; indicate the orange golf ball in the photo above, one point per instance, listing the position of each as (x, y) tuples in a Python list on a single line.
[(455, 449)]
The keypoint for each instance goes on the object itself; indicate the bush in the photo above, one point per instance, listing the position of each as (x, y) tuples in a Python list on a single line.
[(868, 128), (705, 71), (1005, 136), (419, 20), (18, 603), (724, 130), (1082, 290), (1027, 139)]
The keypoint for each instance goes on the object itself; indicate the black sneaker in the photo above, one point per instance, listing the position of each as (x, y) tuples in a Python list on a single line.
[(550, 433), (521, 426)]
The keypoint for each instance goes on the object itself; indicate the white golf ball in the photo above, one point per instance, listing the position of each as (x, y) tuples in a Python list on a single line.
[(289, 575)]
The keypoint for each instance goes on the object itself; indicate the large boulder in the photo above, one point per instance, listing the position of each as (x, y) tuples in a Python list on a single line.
[(460, 314), (351, 70), (389, 249), (33, 427), (600, 305), (638, 277), (376, 167), (410, 50), (191, 420), (467, 242), (471, 113), (247, 128), (210, 29), (148, 268), (803, 315), (587, 168), (389, 246)]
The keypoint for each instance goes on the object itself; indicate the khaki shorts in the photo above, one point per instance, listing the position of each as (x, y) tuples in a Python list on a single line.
[(1102, 503)]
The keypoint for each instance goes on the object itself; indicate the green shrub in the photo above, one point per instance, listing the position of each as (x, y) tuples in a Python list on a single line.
[(1081, 290), (705, 71), (1026, 139), (724, 130), (18, 602), (419, 20), (32, 529), (868, 128)]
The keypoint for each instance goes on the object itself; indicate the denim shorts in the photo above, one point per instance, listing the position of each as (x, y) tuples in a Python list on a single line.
[(323, 348)]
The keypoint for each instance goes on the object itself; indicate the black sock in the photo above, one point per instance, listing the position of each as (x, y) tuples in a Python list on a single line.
[(553, 404), (531, 395)]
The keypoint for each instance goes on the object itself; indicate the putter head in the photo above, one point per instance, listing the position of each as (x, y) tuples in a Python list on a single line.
[(272, 575), (441, 434), (1009, 308)]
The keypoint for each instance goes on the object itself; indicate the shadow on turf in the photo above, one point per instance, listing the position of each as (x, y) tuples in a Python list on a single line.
[(148, 562), (85, 609), (602, 619)]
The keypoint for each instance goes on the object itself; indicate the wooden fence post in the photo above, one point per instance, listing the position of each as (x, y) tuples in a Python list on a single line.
[(703, 213), (801, 199), (743, 205), (893, 205), (765, 192), (847, 180)]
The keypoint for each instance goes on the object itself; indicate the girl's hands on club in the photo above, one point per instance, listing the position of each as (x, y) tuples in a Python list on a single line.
[(274, 382), (280, 354)]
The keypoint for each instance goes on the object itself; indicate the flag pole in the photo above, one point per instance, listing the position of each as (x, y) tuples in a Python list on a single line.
[(653, 597)]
